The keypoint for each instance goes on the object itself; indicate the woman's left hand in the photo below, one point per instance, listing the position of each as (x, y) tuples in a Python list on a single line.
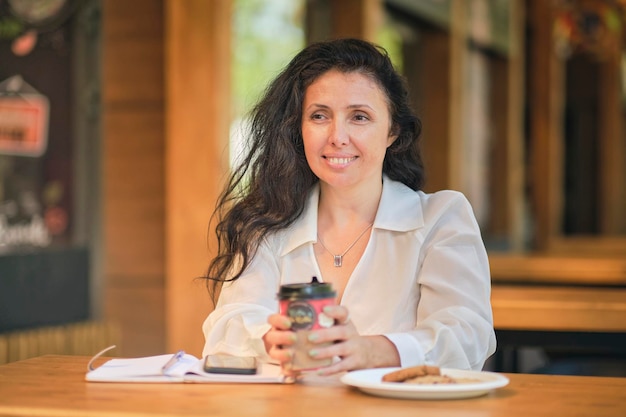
[(355, 351)]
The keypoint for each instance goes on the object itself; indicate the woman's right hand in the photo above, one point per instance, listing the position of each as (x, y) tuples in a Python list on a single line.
[(279, 340)]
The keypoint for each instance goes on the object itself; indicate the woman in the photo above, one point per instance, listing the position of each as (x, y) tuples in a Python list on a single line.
[(330, 187)]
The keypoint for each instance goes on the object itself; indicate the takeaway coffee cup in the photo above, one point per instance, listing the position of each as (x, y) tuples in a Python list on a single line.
[(304, 304)]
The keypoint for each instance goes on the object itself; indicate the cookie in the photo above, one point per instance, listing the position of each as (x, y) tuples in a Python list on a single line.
[(403, 374), (431, 380)]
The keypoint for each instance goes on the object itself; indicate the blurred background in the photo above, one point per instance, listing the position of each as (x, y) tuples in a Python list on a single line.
[(119, 121)]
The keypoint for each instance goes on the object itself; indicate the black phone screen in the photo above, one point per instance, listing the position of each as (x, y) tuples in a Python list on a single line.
[(228, 364)]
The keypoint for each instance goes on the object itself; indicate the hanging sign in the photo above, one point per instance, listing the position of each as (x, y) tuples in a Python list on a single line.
[(23, 120)]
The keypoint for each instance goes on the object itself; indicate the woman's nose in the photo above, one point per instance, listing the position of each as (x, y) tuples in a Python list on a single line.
[(339, 134)]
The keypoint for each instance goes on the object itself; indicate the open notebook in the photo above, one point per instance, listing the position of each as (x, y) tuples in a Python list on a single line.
[(185, 368)]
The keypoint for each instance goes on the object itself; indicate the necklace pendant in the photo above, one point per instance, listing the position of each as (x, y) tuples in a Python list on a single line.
[(338, 260)]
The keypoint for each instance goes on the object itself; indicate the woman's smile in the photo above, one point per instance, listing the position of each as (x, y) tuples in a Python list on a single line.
[(338, 161)]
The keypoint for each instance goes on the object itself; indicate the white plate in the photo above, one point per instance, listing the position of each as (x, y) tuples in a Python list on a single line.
[(370, 381)]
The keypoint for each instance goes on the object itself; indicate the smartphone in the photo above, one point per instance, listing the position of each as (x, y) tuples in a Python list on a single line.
[(228, 364)]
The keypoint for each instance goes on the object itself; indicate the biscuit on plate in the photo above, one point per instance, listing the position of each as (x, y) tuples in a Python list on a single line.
[(403, 374)]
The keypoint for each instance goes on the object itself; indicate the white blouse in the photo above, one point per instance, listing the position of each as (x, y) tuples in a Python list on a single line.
[(423, 282)]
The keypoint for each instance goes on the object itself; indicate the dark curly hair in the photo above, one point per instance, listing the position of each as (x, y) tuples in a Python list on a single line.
[(268, 189)]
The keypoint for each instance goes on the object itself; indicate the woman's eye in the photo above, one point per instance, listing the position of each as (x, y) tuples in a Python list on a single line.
[(317, 116), (361, 117)]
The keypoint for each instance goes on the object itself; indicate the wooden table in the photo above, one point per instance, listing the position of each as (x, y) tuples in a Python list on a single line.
[(54, 386)]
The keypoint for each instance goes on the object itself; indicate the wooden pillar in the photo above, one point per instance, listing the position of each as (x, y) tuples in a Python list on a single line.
[(515, 152), (442, 139), (546, 131), (356, 18), (197, 116), (458, 45), (435, 107), (612, 202), (332, 19)]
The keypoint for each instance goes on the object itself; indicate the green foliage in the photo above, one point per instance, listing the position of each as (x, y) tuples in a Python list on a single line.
[(266, 35), (389, 38), (10, 28)]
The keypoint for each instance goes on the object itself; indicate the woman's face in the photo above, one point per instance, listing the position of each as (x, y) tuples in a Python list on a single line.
[(346, 128)]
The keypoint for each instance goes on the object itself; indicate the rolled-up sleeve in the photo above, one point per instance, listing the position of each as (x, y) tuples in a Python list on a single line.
[(239, 320)]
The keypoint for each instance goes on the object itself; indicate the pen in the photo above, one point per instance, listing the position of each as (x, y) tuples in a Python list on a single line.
[(172, 361)]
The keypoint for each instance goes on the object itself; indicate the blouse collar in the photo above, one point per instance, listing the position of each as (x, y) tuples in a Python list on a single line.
[(400, 210)]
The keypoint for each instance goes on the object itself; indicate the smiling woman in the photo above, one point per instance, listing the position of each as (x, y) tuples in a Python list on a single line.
[(333, 155)]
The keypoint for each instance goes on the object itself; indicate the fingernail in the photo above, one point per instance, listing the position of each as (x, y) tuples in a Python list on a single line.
[(293, 337), (313, 353), (312, 337), (328, 309)]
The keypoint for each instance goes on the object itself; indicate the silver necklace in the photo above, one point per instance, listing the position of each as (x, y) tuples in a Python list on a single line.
[(338, 259)]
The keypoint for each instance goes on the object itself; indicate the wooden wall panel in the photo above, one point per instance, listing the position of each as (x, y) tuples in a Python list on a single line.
[(133, 173), (132, 52), (137, 311), (137, 70), (134, 190)]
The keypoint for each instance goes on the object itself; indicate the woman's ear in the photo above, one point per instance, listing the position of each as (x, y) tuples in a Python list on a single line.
[(394, 132)]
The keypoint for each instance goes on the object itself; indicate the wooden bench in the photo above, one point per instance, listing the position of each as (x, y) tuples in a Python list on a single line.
[(562, 270), (561, 308), (573, 304)]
